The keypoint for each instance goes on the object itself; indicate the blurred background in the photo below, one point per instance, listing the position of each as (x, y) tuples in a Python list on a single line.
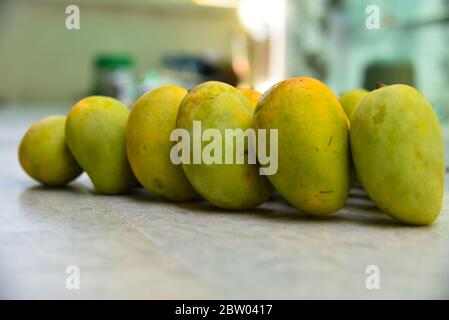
[(124, 48)]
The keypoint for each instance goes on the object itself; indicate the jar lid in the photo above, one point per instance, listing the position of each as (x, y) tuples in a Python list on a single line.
[(113, 61)]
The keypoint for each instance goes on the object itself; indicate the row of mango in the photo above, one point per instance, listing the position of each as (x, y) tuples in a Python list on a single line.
[(388, 139)]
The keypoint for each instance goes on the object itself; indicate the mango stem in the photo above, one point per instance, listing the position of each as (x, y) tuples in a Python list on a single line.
[(380, 85)]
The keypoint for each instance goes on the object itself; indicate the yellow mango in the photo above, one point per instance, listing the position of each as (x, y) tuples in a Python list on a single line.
[(95, 133), (252, 95), (398, 153), (314, 170), (44, 155), (350, 99), (152, 119), (230, 186)]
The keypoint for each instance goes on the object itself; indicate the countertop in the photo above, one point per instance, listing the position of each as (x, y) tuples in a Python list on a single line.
[(139, 246)]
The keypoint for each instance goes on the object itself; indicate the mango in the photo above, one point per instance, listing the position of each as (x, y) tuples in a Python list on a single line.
[(350, 99), (314, 170), (252, 95), (44, 155), (95, 134), (398, 153), (152, 119), (230, 186)]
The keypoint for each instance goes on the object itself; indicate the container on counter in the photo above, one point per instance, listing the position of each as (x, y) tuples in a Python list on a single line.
[(115, 77)]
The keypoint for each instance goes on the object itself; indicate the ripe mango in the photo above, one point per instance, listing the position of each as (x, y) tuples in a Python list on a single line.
[(44, 155), (152, 119), (350, 99), (229, 186), (252, 95), (314, 170), (95, 133), (398, 153)]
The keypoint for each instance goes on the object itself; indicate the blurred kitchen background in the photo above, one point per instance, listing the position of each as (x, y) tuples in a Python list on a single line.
[(124, 48)]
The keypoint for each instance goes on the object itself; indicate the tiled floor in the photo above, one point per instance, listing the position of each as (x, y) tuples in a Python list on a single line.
[(137, 246)]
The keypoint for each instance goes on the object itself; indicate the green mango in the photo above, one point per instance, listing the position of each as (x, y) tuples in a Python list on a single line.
[(350, 99), (95, 133), (398, 152), (314, 172), (44, 155), (229, 186), (152, 119)]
